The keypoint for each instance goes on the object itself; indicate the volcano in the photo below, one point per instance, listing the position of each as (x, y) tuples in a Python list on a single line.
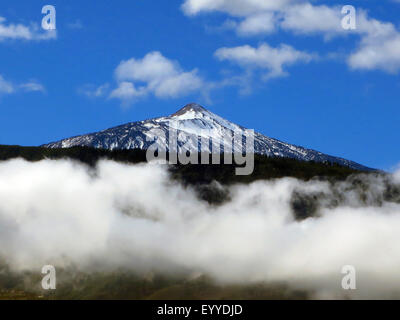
[(191, 121)]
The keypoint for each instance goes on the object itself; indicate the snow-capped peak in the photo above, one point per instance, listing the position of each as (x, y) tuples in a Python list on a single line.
[(204, 118), (192, 120)]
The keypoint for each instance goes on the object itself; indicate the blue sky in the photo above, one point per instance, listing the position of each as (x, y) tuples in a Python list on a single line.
[(285, 68)]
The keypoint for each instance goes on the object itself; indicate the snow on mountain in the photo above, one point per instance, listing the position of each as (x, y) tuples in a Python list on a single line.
[(190, 123)]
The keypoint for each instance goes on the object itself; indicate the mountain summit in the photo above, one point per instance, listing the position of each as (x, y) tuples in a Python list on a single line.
[(192, 120), (191, 107)]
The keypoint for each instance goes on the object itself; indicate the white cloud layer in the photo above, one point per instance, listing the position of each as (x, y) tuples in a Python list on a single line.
[(155, 75), (378, 47), (10, 31), (272, 60), (133, 216)]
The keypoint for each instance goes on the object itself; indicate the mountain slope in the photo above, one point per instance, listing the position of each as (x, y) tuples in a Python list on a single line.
[(191, 122)]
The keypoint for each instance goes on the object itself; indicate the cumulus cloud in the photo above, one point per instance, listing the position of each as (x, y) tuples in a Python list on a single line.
[(264, 22), (255, 16), (10, 31), (126, 91), (233, 7), (378, 45), (300, 16), (272, 60), (297, 15), (307, 18), (135, 217), (155, 75), (383, 55)]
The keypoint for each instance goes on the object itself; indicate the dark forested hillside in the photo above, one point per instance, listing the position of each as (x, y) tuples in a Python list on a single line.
[(265, 167)]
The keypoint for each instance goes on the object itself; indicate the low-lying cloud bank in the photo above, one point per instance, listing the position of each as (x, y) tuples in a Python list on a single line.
[(135, 217)]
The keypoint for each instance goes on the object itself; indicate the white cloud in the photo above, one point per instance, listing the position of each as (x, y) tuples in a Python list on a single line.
[(233, 7), (327, 20), (155, 75), (258, 23), (22, 32), (255, 16), (383, 55), (92, 91), (152, 67), (307, 18), (107, 220), (126, 91), (271, 60), (32, 86), (378, 47), (7, 87), (264, 16)]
